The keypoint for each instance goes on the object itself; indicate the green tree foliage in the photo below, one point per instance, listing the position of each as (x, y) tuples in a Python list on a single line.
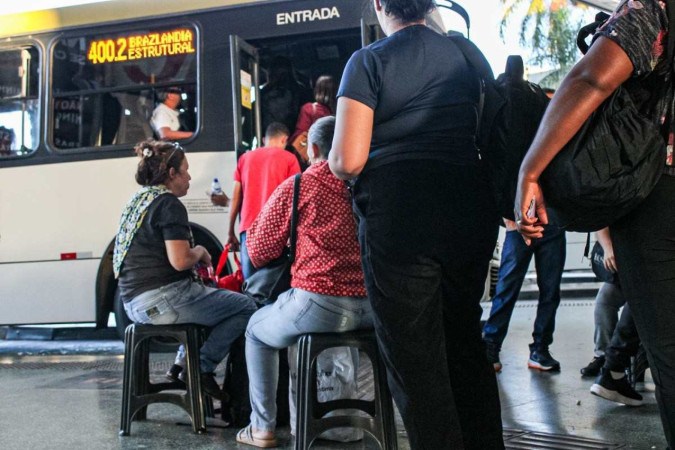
[(547, 28)]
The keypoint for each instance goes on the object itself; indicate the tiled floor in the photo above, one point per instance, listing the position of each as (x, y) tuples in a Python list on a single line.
[(72, 400)]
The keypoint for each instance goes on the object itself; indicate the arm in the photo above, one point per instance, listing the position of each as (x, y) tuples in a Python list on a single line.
[(182, 257), (604, 68), (235, 208), (165, 133), (351, 143), (606, 244)]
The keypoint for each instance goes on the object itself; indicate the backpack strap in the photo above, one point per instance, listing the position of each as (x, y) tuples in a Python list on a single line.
[(477, 61), (294, 217)]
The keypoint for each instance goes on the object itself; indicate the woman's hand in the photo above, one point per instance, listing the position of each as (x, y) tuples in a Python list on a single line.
[(204, 255), (610, 261), (530, 210)]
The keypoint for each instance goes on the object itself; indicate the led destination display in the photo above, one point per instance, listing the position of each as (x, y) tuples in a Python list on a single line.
[(135, 47)]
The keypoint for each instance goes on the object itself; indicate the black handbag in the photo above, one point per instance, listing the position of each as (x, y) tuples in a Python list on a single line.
[(611, 164), (268, 282), (598, 265)]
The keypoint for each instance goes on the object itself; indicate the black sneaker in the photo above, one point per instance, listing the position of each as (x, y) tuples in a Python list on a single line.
[(210, 385), (492, 352), (593, 367), (541, 359), (175, 372), (618, 391)]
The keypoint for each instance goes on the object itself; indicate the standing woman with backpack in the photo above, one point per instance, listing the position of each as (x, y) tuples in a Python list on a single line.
[(629, 48), (427, 224)]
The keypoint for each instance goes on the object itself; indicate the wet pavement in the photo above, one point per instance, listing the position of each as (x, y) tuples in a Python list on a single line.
[(66, 394)]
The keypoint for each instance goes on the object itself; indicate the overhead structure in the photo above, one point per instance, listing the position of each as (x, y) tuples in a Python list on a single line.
[(607, 5)]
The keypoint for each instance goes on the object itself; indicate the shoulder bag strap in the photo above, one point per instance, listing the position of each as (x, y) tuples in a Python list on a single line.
[(294, 217)]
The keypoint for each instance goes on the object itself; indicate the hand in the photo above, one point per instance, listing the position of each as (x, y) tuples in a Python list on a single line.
[(205, 257), (233, 242), (530, 227), (220, 200), (300, 144), (610, 261), (509, 224)]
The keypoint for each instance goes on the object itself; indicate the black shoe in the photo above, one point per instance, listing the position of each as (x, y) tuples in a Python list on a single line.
[(615, 390), (492, 352), (210, 386), (593, 367), (174, 373), (541, 359)]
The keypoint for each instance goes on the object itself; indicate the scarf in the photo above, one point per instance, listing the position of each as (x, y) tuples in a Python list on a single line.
[(131, 220)]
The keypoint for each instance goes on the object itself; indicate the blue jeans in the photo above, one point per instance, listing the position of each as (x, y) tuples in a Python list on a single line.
[(549, 259), (608, 302), (278, 326), (247, 267), (226, 312)]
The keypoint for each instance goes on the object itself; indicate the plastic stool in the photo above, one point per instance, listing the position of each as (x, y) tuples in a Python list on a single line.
[(138, 392), (310, 421)]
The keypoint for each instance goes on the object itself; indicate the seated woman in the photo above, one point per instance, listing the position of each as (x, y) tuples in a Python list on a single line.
[(323, 105), (155, 255), (328, 292)]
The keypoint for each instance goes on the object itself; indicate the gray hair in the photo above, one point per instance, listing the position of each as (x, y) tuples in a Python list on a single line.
[(321, 135)]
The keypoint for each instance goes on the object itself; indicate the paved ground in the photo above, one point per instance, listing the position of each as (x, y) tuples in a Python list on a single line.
[(66, 395)]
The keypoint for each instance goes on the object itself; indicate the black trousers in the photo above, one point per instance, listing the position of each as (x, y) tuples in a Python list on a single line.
[(644, 245), (624, 344), (427, 232)]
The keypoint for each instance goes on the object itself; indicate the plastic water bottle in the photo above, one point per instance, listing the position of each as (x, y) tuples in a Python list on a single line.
[(215, 187)]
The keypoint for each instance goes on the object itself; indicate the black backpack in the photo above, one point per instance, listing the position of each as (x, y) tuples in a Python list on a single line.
[(510, 110), (525, 106), (611, 164)]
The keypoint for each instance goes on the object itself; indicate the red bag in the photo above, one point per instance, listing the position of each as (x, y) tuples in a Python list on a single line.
[(232, 281)]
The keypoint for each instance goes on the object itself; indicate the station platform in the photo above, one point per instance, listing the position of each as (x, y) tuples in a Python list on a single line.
[(67, 395)]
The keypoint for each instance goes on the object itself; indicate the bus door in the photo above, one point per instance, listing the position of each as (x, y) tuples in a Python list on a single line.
[(245, 95)]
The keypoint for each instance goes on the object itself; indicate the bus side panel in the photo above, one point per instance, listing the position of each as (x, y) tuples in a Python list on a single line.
[(53, 213), (47, 292)]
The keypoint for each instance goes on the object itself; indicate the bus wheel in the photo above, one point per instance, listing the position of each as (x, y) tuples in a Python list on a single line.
[(122, 321)]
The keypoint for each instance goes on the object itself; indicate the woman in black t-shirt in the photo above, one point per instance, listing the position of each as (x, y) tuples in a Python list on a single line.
[(406, 122), (155, 255)]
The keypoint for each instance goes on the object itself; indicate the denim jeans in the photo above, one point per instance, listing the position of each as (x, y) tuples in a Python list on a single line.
[(247, 267), (278, 326), (549, 259), (225, 312), (427, 231), (644, 245), (608, 302)]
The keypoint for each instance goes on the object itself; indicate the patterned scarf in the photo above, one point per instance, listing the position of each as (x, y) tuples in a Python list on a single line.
[(131, 220)]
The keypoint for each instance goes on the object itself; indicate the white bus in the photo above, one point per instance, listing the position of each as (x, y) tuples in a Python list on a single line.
[(77, 87)]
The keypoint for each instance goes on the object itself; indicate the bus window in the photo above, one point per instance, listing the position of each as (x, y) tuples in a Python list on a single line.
[(105, 87), (19, 100)]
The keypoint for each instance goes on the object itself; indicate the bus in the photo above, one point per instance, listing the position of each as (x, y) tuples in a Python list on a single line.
[(78, 85)]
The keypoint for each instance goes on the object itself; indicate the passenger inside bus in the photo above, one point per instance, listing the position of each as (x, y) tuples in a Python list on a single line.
[(323, 105), (282, 95), (6, 140), (165, 118)]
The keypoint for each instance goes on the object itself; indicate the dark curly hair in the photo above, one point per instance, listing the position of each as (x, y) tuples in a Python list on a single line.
[(408, 10), (157, 157)]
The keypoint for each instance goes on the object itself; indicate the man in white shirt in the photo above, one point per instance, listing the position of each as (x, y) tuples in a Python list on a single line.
[(165, 117)]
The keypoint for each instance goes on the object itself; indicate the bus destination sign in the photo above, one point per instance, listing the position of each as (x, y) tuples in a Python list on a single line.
[(141, 46)]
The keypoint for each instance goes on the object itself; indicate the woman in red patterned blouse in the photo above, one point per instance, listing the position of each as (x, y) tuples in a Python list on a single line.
[(328, 292)]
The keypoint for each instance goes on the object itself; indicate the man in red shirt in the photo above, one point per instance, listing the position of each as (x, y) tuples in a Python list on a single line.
[(258, 174)]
